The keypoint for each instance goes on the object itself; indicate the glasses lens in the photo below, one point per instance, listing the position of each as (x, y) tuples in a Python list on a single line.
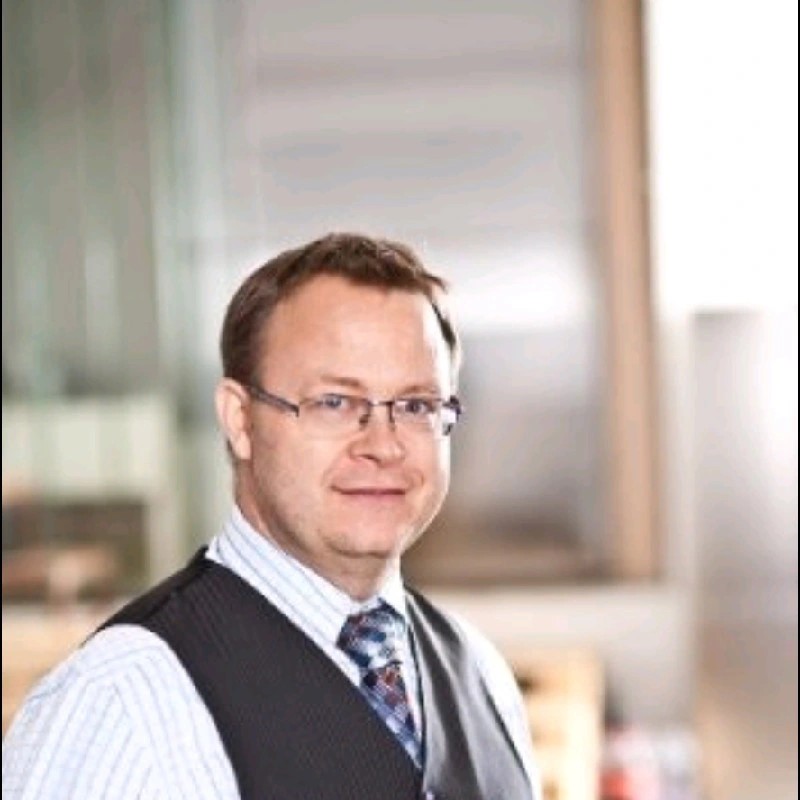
[(333, 414), (447, 421), (418, 412)]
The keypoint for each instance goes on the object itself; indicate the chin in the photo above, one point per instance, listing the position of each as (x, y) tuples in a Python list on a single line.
[(377, 540)]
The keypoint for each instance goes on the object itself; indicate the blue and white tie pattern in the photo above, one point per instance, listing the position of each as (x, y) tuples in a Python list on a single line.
[(369, 639)]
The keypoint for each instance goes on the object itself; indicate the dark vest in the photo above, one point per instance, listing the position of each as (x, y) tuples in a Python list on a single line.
[(293, 725)]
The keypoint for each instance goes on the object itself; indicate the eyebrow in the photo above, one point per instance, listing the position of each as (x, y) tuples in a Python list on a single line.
[(357, 385)]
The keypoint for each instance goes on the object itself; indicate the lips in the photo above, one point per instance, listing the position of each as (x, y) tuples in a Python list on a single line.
[(371, 491)]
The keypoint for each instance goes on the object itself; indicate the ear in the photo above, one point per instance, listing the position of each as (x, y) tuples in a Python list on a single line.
[(231, 403)]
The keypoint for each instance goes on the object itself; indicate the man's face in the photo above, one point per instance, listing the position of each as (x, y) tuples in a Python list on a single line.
[(352, 503)]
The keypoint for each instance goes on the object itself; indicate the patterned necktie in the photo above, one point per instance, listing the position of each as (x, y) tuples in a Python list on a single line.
[(369, 639)]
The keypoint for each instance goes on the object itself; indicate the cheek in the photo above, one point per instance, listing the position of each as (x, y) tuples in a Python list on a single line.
[(444, 474), (289, 483), (300, 467), (279, 464), (444, 478), (437, 468)]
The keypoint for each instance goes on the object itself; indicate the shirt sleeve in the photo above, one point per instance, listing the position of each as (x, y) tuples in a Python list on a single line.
[(73, 738), (503, 688), (120, 719)]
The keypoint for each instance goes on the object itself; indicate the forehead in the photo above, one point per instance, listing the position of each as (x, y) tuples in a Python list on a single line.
[(333, 326)]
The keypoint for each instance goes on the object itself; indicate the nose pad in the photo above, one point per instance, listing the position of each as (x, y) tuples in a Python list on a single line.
[(365, 418), (378, 441)]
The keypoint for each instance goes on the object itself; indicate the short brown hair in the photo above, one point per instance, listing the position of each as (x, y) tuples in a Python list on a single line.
[(363, 260)]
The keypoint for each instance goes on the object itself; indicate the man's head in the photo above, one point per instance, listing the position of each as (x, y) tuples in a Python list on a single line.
[(364, 261), (310, 342)]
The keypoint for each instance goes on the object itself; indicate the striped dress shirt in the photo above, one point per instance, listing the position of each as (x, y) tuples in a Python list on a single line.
[(121, 718)]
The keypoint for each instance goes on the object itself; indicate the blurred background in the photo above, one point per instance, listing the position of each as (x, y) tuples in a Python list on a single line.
[(611, 189)]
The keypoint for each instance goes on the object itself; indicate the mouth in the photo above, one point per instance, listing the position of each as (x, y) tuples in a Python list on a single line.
[(371, 491)]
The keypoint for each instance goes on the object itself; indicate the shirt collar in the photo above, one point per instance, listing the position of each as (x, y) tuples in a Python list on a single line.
[(309, 600)]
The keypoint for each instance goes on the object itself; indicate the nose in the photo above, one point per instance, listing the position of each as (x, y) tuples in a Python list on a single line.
[(378, 439)]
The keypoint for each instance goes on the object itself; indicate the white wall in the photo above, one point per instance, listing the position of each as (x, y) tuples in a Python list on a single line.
[(723, 120)]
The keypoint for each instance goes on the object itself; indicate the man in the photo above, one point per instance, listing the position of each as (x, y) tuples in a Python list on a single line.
[(288, 660)]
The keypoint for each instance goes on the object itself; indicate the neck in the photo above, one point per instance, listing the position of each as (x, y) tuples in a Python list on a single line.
[(356, 579), (360, 576)]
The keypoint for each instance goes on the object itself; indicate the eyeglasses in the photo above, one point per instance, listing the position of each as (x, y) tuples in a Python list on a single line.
[(331, 414)]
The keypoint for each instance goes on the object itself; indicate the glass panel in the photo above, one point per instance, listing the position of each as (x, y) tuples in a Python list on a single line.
[(90, 499), (157, 153)]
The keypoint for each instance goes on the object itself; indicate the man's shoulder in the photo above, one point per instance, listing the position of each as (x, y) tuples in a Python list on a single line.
[(453, 623), (496, 675), (106, 662), (121, 646), (150, 602), (491, 664)]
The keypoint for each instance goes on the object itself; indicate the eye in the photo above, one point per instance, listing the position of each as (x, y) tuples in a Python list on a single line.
[(333, 402), (417, 406)]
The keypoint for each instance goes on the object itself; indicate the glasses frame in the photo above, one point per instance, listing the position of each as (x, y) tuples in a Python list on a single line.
[(261, 395)]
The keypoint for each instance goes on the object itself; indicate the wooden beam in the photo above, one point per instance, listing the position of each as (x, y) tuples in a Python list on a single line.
[(623, 203)]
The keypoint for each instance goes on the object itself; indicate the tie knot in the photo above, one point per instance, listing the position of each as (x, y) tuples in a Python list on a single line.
[(370, 637)]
